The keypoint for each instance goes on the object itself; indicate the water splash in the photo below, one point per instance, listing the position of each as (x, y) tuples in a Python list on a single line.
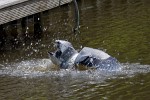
[(29, 68), (45, 68)]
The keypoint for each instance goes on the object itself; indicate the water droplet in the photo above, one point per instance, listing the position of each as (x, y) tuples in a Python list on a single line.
[(27, 28)]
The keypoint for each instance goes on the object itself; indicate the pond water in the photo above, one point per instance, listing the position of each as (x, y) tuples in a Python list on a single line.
[(119, 27)]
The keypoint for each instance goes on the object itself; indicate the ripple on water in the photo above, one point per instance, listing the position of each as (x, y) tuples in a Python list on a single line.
[(28, 77)]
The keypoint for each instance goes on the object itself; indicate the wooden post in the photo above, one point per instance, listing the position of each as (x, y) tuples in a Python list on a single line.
[(24, 25), (14, 32), (2, 36), (38, 25)]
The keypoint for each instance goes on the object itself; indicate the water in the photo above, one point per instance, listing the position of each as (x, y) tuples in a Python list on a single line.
[(119, 27)]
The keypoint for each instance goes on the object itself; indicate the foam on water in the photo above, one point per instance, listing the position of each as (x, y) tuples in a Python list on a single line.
[(45, 68), (30, 68)]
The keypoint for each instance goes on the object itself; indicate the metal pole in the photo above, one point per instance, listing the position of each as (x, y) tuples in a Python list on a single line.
[(77, 18)]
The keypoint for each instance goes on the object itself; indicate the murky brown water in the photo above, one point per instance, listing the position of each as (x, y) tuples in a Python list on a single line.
[(120, 27)]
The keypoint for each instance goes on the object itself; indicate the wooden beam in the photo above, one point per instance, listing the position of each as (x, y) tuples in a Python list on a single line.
[(16, 10)]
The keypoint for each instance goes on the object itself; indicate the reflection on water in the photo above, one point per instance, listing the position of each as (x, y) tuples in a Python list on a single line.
[(119, 27)]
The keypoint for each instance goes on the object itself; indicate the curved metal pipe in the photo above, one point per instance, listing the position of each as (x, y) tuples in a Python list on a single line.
[(77, 17)]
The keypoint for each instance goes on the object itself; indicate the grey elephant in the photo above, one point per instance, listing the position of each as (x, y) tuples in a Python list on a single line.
[(66, 57)]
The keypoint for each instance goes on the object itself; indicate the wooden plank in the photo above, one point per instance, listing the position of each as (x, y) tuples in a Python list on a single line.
[(7, 3), (27, 8)]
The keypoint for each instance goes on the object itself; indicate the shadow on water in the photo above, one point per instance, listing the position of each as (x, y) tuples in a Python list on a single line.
[(119, 27)]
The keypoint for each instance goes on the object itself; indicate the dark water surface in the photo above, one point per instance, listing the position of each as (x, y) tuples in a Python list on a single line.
[(119, 27)]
